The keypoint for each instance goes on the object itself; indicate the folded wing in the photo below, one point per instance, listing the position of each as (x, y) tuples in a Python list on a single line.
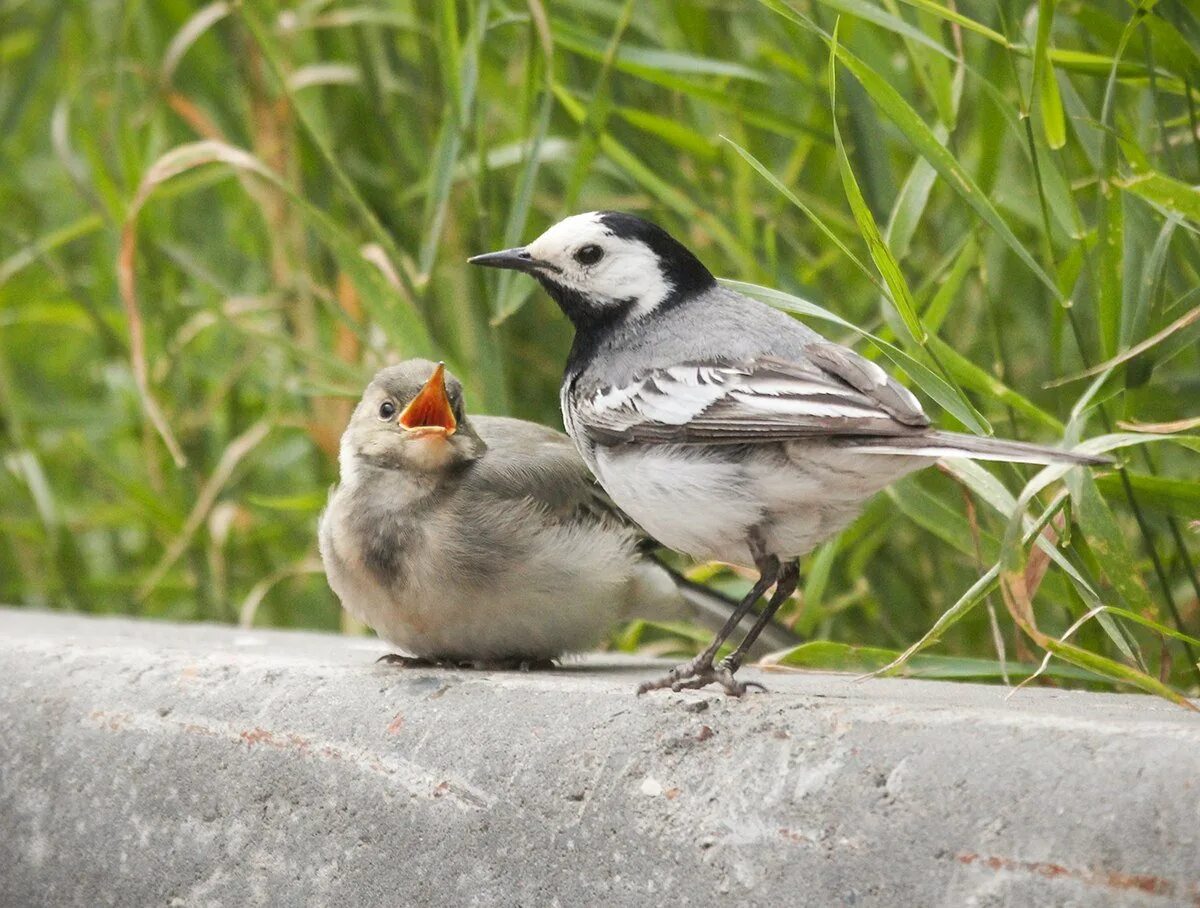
[(835, 392)]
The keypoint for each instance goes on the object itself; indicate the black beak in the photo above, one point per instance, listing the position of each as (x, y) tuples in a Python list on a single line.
[(517, 259)]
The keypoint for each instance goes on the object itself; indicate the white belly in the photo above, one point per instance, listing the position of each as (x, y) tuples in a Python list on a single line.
[(792, 498)]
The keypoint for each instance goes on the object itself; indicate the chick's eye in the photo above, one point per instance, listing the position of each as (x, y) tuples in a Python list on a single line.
[(589, 254), (387, 410)]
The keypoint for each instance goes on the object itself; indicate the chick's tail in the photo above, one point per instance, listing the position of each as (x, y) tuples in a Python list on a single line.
[(975, 447)]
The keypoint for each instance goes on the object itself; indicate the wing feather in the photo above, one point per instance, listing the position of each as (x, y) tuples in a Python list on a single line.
[(835, 393), (529, 462)]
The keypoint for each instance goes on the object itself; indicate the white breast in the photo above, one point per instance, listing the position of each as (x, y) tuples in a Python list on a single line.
[(696, 505)]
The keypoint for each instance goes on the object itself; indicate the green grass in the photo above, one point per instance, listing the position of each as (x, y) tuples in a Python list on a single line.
[(219, 220)]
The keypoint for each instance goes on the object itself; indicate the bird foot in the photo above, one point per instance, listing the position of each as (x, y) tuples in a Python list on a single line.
[(699, 673), (517, 664), (407, 661), (506, 665)]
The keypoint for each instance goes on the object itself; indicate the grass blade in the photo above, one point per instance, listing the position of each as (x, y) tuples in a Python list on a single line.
[(893, 105), (889, 268), (1050, 108), (766, 174)]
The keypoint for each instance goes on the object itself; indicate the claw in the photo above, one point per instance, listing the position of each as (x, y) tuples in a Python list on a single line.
[(405, 661), (519, 664), (699, 673)]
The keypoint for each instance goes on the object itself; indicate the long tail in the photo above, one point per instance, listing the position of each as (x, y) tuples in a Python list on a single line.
[(974, 447), (711, 609)]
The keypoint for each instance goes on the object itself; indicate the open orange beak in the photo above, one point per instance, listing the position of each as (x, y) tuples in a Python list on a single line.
[(431, 409)]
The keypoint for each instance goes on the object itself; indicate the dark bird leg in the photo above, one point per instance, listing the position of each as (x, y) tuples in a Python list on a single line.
[(699, 671), (789, 576)]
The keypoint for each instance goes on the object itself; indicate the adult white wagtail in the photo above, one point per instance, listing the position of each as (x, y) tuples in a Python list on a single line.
[(725, 428), (484, 541)]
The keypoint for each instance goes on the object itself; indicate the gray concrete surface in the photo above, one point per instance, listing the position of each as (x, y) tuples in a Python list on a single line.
[(158, 764)]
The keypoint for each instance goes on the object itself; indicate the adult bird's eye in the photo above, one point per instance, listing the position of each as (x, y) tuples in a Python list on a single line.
[(387, 410), (589, 254)]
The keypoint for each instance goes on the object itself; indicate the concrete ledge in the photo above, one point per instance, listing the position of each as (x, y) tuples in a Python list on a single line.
[(149, 763)]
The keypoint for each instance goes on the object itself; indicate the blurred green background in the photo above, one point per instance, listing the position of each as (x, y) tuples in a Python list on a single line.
[(218, 220)]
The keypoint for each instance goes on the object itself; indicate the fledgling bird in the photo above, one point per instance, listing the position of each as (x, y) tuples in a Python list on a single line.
[(483, 540), (727, 429)]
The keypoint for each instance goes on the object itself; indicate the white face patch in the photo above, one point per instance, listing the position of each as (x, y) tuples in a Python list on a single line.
[(628, 269)]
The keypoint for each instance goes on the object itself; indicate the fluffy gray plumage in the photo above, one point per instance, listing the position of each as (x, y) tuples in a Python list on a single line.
[(492, 544)]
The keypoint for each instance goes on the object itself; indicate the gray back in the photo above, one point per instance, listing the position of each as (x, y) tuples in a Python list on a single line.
[(718, 326)]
